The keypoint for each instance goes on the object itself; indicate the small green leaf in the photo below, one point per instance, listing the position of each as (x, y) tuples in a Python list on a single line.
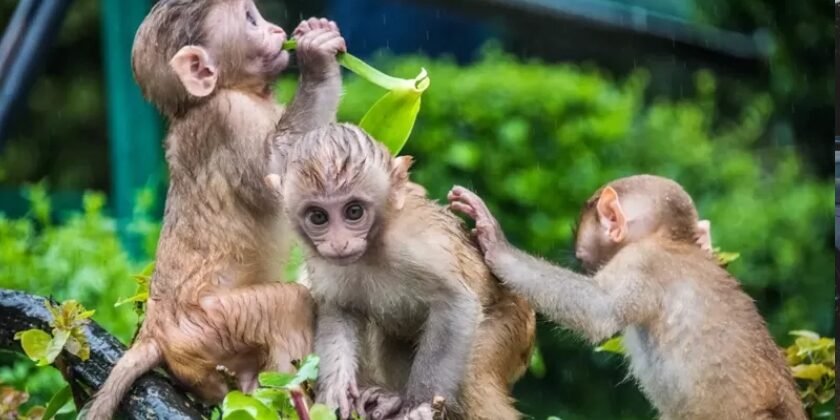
[(54, 347), (537, 363), (57, 401), (553, 418), (805, 333), (613, 345), (276, 399), (240, 406), (811, 372), (140, 297), (321, 412), (308, 370), (276, 379), (35, 343)]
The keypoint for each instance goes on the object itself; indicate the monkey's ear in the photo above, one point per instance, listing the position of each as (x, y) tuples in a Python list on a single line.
[(274, 182), (196, 70), (704, 235), (611, 215), (399, 180)]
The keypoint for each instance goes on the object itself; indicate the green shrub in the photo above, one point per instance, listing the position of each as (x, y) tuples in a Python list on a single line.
[(79, 258)]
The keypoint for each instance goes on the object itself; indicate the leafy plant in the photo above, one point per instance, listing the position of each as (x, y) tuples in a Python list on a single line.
[(67, 334), (811, 359), (280, 396), (141, 295)]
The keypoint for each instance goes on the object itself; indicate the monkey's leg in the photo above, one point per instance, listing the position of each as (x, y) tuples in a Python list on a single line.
[(277, 317)]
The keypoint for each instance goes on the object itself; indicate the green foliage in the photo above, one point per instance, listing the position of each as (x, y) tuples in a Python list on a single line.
[(280, 396), (67, 334), (79, 258), (811, 358)]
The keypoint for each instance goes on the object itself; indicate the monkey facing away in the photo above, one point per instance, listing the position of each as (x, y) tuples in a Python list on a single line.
[(697, 345), (216, 308), (407, 310)]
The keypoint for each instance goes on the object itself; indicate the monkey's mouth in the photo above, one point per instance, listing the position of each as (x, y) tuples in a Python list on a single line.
[(344, 259)]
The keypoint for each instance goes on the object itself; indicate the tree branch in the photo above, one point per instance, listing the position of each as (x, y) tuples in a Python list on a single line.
[(152, 396)]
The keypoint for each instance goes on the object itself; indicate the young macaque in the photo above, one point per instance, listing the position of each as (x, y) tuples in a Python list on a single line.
[(407, 309), (697, 345), (217, 311)]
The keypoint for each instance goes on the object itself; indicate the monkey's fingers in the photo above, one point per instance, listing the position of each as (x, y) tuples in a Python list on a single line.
[(464, 208), (328, 40)]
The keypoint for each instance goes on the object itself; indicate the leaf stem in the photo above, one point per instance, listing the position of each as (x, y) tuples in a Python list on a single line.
[(299, 403)]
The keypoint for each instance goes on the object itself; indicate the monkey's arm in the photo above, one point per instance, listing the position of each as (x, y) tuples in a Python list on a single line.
[(337, 343), (316, 100), (618, 296), (444, 347)]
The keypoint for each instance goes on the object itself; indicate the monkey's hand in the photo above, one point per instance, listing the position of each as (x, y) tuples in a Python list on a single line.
[(341, 395), (419, 412), (487, 229), (318, 43), (377, 404)]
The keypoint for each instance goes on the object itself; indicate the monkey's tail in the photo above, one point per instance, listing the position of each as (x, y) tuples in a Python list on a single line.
[(142, 357)]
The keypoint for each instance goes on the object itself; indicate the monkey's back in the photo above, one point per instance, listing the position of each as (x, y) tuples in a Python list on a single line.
[(505, 338), (709, 344)]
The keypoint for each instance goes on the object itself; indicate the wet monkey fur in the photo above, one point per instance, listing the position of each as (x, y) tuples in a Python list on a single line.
[(216, 307)]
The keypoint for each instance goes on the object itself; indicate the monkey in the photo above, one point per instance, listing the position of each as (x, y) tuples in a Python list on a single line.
[(217, 306), (406, 309), (697, 345)]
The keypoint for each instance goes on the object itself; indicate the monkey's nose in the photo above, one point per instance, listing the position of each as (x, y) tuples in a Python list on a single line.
[(277, 30)]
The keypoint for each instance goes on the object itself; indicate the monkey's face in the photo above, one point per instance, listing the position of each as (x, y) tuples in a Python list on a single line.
[(338, 228), (252, 47)]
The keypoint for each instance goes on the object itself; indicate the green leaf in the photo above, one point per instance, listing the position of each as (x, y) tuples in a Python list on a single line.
[(537, 363), (811, 372), (276, 379), (241, 406), (613, 345), (140, 297), (391, 119), (35, 343), (321, 412), (276, 399), (805, 333), (308, 370), (54, 347), (57, 401)]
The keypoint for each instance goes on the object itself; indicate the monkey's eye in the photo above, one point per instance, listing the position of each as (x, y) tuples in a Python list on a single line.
[(354, 212), (318, 217), (250, 18)]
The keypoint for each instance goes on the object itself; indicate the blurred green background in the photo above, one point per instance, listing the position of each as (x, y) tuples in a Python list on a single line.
[(533, 116)]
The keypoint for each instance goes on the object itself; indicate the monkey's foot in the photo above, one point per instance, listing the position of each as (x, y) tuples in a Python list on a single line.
[(377, 404)]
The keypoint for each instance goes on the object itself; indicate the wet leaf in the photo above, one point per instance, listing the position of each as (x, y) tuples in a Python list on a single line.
[(308, 370), (391, 119)]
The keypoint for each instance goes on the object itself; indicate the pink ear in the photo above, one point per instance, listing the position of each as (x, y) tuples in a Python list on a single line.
[(704, 235), (611, 215), (399, 180), (196, 70)]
